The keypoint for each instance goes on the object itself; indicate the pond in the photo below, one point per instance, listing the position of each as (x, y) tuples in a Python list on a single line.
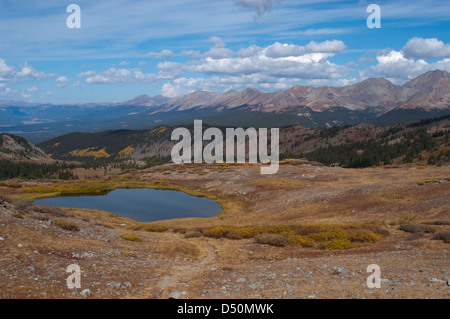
[(143, 205)]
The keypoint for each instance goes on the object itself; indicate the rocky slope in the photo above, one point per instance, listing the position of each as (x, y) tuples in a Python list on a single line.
[(19, 149)]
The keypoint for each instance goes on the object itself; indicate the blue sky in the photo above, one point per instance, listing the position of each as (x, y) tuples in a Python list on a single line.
[(126, 48)]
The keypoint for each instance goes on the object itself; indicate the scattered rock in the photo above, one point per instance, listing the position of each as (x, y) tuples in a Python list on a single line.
[(434, 279), (85, 293), (114, 284), (174, 295), (339, 270), (126, 285)]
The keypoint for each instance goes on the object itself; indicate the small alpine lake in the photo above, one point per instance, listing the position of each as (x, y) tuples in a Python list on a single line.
[(141, 204)]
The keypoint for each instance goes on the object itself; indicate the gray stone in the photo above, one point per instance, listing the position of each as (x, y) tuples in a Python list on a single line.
[(434, 279), (339, 270), (114, 284), (174, 295), (85, 293), (126, 285)]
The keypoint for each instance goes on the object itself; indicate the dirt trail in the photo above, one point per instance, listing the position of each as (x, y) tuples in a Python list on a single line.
[(172, 280)]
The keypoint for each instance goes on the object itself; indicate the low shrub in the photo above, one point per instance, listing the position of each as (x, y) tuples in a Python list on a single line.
[(23, 205), (180, 230), (299, 240), (445, 236), (241, 233), (414, 236), (337, 244), (272, 239), (159, 228), (192, 234), (19, 215), (214, 232), (130, 237), (330, 235), (438, 223), (410, 228), (363, 236), (382, 231), (50, 210), (66, 224)]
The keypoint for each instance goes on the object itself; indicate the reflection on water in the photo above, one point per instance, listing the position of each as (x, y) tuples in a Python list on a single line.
[(144, 205)]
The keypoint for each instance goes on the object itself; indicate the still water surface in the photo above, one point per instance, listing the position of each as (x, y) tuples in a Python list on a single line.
[(143, 205)]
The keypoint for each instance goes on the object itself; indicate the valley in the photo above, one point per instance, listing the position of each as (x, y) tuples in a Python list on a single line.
[(361, 211)]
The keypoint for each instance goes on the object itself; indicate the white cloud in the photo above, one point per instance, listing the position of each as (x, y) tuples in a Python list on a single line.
[(124, 63), (169, 90), (276, 60), (9, 73), (250, 51), (274, 67), (420, 48), (113, 75), (28, 71), (333, 46), (218, 51), (164, 54), (6, 72), (62, 79), (395, 66)]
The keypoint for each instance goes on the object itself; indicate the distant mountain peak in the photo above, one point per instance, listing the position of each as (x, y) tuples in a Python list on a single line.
[(145, 100)]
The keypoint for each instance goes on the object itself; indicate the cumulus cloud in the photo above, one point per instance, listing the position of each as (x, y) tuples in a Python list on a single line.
[(10, 73), (274, 67), (261, 6), (276, 60), (62, 79), (6, 72), (164, 54), (397, 67), (250, 51), (23, 93), (218, 51), (420, 48), (27, 71), (113, 75)]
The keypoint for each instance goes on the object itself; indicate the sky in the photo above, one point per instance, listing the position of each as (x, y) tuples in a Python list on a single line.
[(126, 48)]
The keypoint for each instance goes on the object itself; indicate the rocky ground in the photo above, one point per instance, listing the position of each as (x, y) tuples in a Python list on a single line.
[(36, 251)]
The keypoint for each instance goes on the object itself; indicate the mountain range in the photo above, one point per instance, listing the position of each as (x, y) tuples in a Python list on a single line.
[(418, 139), (376, 101)]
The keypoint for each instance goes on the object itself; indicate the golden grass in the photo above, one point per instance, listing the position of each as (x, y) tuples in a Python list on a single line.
[(130, 237), (319, 236), (149, 227), (66, 224)]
